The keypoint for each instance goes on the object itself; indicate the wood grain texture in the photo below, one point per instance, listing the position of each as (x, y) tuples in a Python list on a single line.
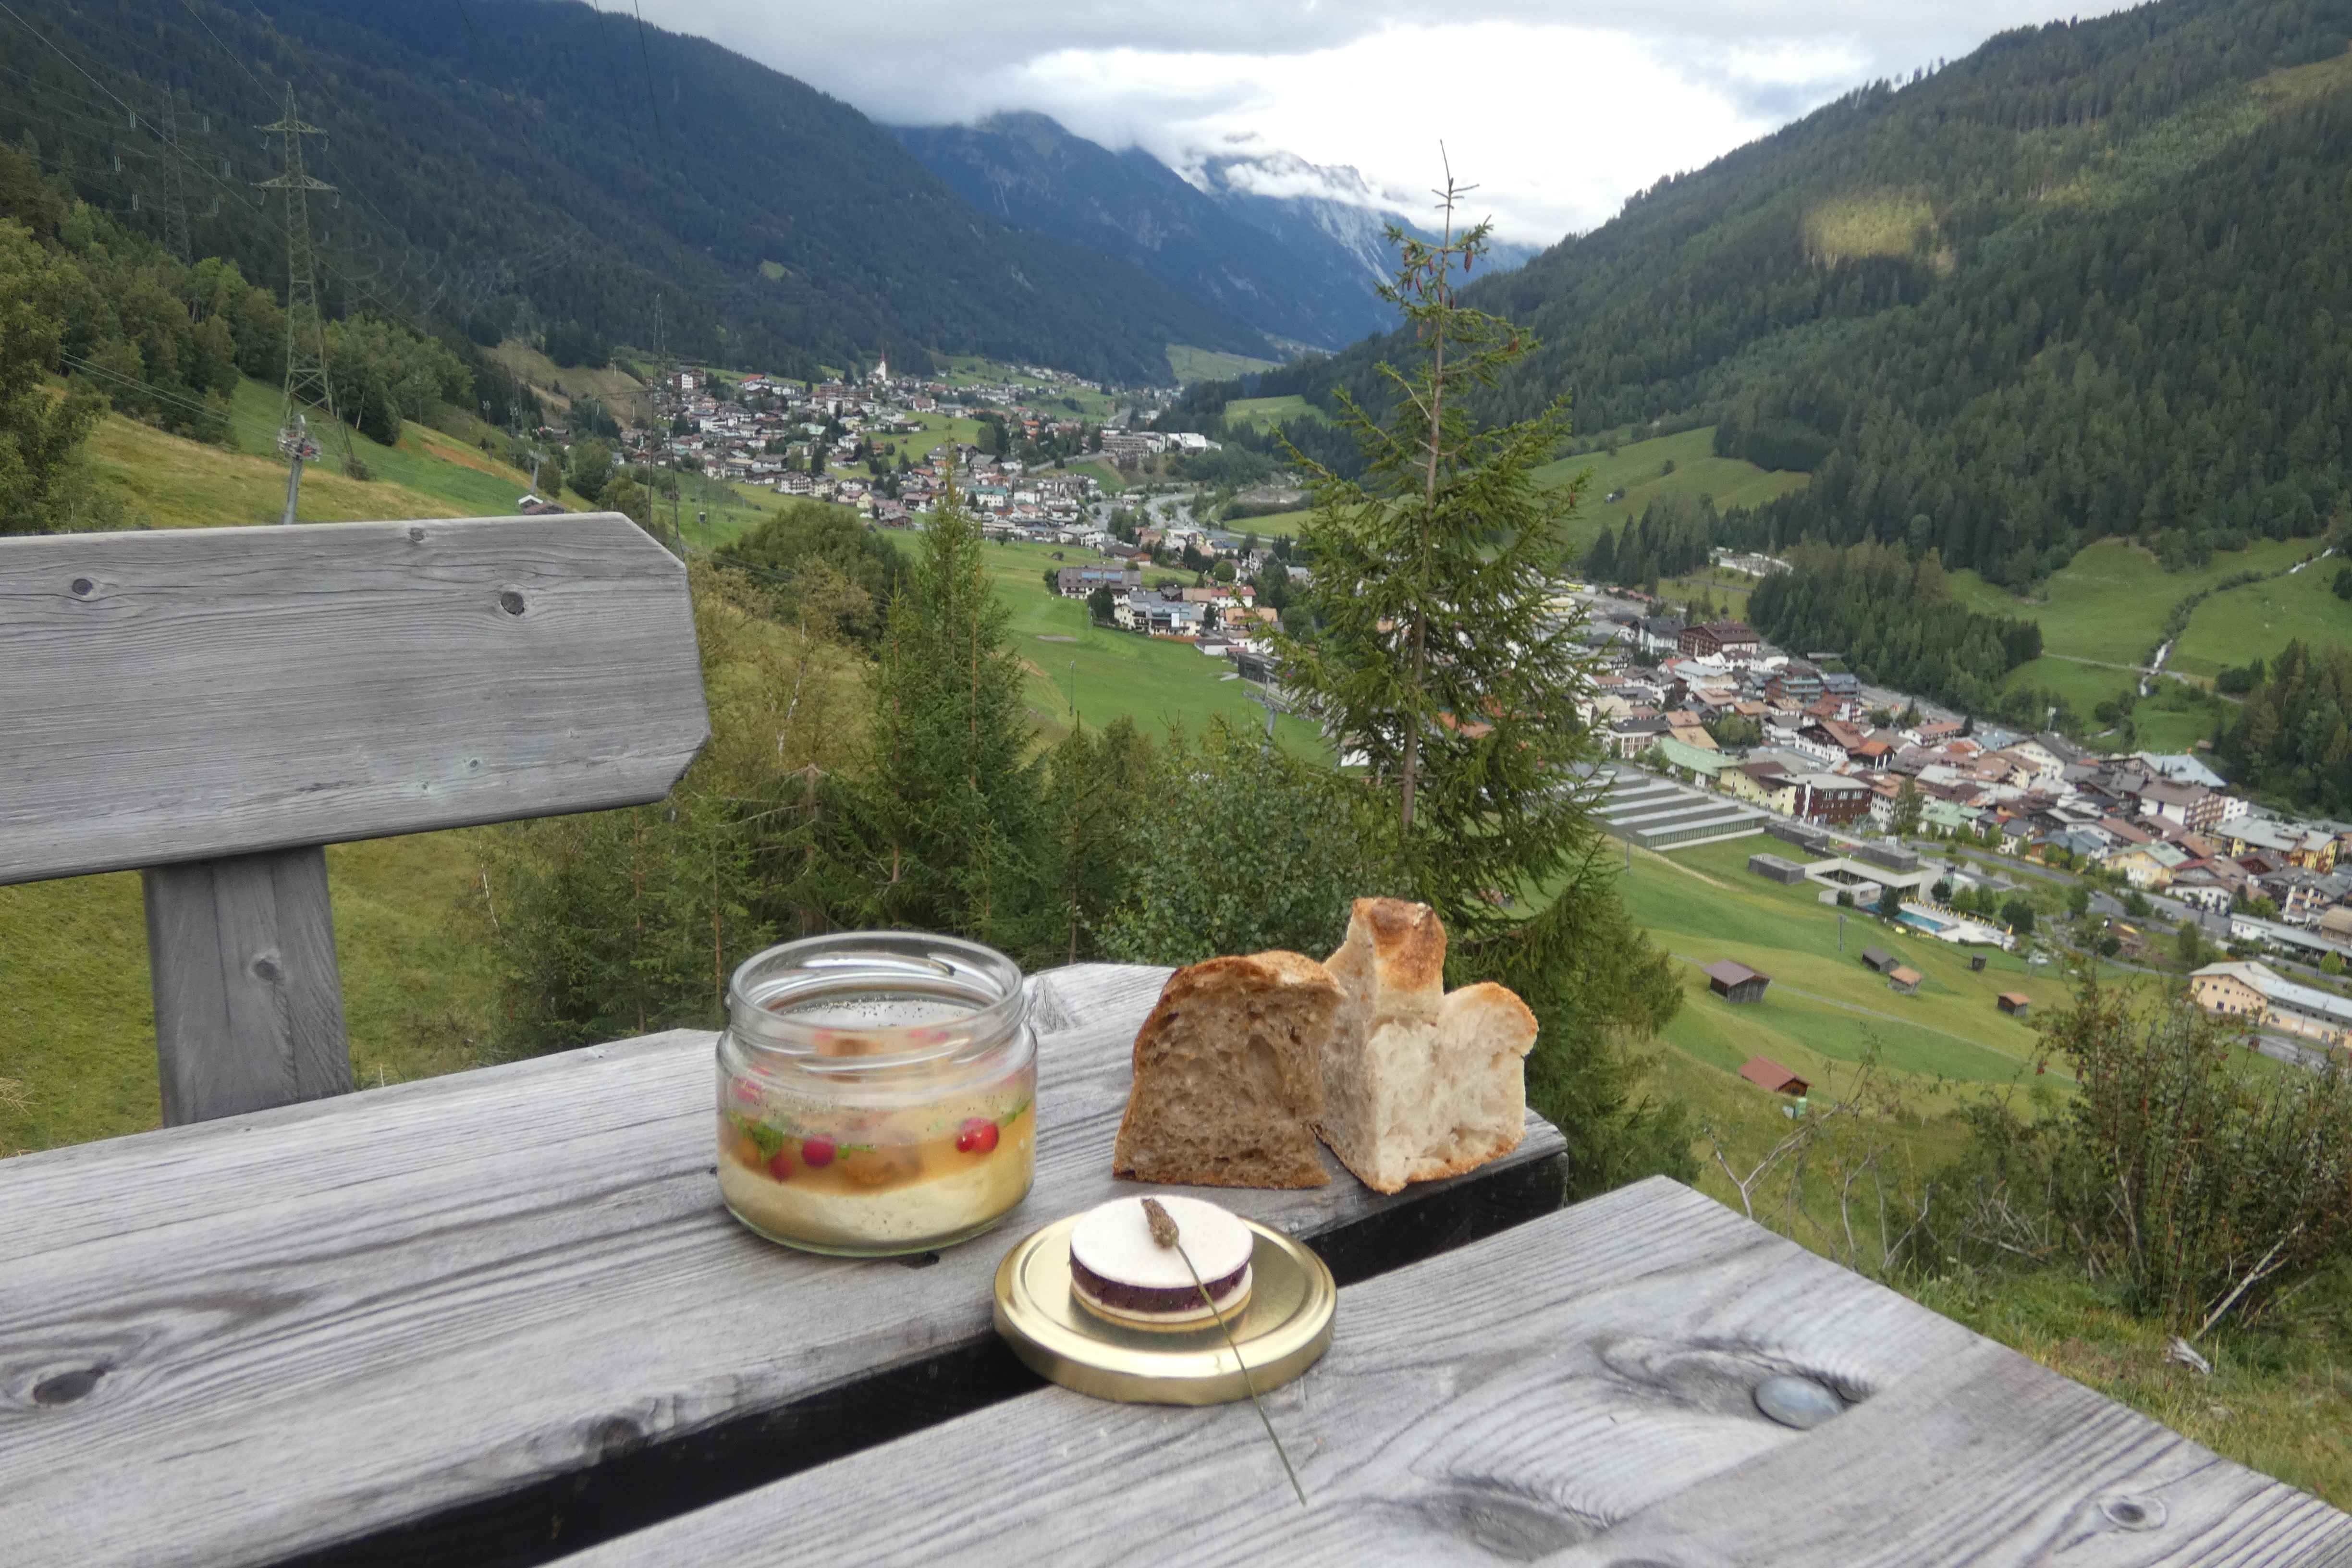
[(1579, 1391), (185, 694), (249, 1002), (255, 1337)]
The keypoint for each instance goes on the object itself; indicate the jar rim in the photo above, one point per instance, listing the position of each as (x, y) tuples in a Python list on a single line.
[(956, 970)]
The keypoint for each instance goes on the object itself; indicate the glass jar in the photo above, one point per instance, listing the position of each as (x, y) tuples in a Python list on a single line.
[(877, 1093)]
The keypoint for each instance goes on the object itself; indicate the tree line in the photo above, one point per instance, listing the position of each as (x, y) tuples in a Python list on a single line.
[(130, 328)]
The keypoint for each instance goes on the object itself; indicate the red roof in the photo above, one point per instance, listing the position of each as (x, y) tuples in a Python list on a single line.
[(1765, 1073)]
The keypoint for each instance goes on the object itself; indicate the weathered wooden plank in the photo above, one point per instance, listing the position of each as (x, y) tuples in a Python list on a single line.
[(316, 1323), (185, 694), (1576, 1390), (248, 1004)]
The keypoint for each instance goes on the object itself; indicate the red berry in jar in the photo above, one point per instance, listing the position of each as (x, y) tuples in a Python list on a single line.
[(977, 1136), (816, 1153), (780, 1165)]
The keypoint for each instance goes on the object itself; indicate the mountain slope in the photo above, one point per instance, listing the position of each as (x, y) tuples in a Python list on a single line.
[(1028, 170), (509, 165), (1295, 249), (2090, 281)]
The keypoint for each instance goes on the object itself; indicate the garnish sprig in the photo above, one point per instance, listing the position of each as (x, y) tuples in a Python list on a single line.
[(1164, 1232)]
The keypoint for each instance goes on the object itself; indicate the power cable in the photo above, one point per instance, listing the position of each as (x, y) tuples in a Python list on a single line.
[(652, 100)]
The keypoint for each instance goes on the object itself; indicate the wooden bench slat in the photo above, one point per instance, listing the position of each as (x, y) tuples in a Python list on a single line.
[(1578, 1391), (181, 695), (328, 1319)]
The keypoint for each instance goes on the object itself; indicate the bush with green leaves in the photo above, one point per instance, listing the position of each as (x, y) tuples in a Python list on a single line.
[(2209, 1189), (1241, 854)]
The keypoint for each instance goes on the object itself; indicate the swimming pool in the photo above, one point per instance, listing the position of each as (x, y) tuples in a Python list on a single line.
[(1927, 923)]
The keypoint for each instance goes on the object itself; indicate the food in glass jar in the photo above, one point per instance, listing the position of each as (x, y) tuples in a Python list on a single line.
[(903, 1175)]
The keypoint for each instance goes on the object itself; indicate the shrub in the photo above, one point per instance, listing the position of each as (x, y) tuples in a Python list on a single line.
[(2204, 1190)]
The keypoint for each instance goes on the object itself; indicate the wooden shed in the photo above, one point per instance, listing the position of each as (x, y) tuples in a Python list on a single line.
[(1904, 978), (2013, 1002), (1765, 1073), (1736, 982), (1878, 958)]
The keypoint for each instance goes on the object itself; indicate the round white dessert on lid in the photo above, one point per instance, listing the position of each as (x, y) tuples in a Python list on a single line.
[(1114, 1240)]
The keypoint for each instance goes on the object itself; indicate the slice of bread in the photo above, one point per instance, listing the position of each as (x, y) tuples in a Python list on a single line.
[(1418, 1084), (1229, 1076)]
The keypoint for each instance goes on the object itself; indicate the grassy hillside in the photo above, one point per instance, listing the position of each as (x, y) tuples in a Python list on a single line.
[(1640, 469), (2104, 612), (1823, 1007), (2259, 619), (1189, 365), (1264, 412), (1158, 682), (2110, 601)]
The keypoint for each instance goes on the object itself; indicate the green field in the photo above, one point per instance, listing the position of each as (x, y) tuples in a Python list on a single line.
[(1160, 683), (1823, 1007), (1638, 471), (77, 1021), (2259, 619), (1266, 412), (1189, 365), (2111, 601)]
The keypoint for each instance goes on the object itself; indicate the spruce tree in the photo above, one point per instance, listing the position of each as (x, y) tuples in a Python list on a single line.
[(1447, 666), (951, 795), (1444, 658)]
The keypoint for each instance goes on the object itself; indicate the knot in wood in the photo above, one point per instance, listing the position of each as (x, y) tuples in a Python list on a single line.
[(83, 587), (415, 536), (2130, 1512), (511, 602), (65, 1387), (266, 969)]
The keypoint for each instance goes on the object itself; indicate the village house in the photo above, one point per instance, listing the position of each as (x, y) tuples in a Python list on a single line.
[(2261, 996)]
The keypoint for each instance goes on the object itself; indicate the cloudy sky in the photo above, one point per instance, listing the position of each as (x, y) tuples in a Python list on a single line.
[(1556, 109)]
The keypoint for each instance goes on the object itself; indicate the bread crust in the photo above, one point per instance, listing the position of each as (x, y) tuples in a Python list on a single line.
[(1228, 1076)]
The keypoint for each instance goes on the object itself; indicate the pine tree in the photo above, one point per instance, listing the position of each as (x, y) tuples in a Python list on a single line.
[(1096, 790), (1441, 657), (1443, 660), (951, 797)]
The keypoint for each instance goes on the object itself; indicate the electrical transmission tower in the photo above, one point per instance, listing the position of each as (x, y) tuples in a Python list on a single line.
[(306, 332)]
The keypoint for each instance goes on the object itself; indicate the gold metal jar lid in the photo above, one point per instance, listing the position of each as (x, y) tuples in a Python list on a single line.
[(1282, 1330)]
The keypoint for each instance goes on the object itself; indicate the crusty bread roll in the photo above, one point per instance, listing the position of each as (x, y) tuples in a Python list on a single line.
[(1229, 1078), (1418, 1084)]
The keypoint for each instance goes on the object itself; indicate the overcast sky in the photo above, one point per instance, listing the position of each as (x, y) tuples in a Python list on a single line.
[(1556, 109)]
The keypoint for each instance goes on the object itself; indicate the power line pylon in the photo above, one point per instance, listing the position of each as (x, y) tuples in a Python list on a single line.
[(306, 332), (176, 185)]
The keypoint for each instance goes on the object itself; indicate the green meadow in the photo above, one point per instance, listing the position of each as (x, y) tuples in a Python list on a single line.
[(1824, 1008), (1189, 365), (2110, 601), (1161, 684), (1640, 469), (1266, 412), (2256, 621)]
